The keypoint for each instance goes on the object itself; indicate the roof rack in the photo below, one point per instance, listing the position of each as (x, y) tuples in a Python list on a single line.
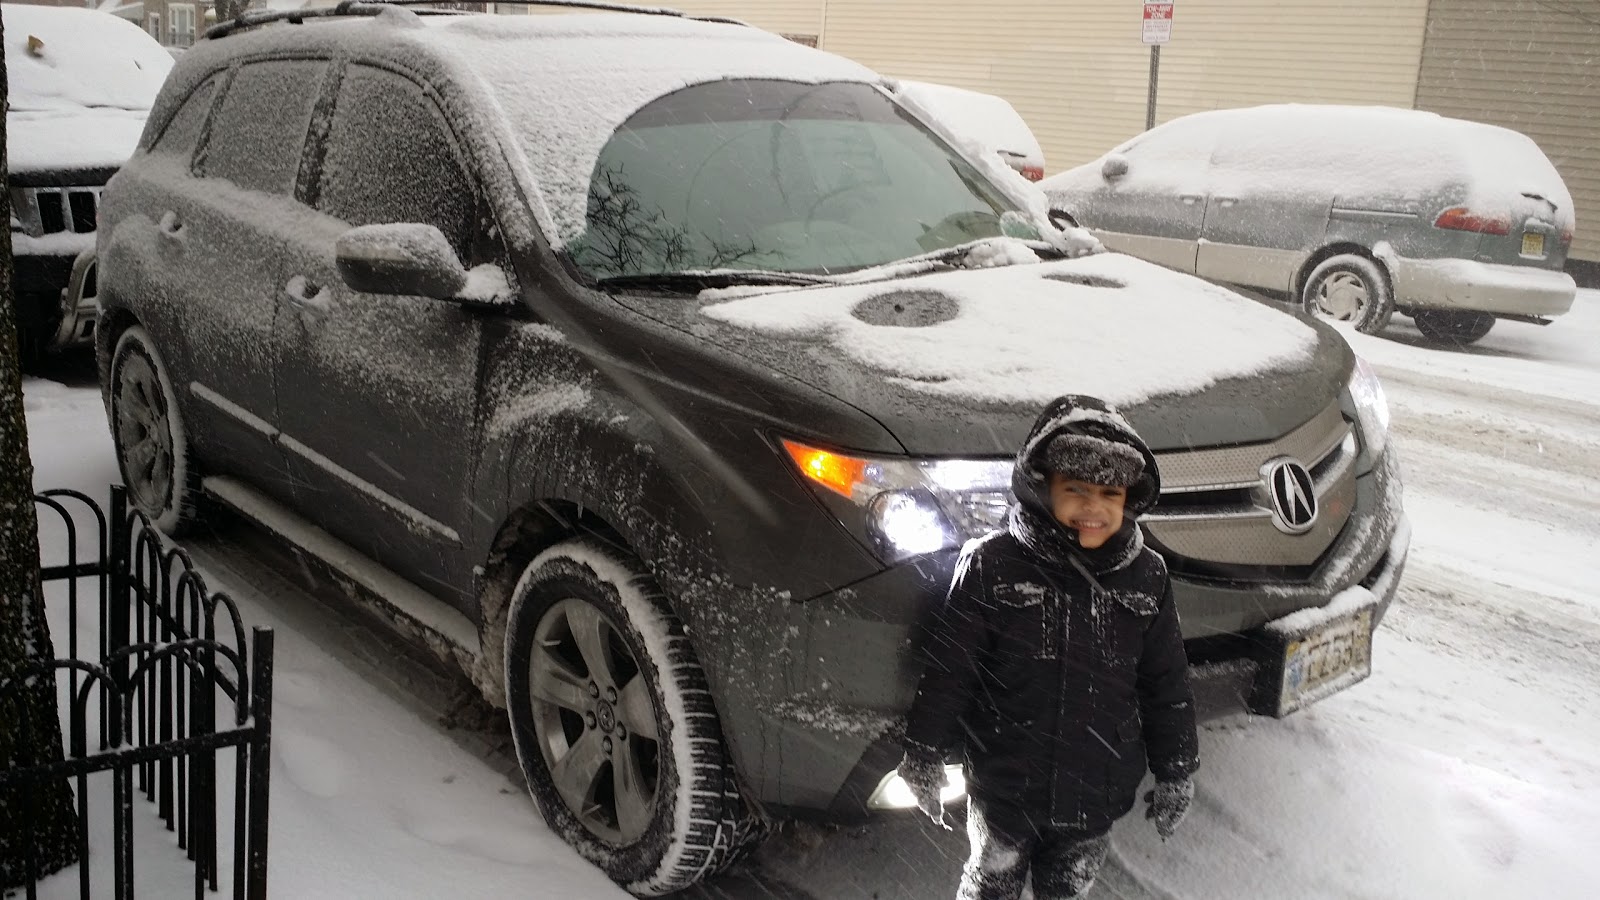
[(373, 7)]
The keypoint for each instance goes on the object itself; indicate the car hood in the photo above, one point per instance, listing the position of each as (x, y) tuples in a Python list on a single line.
[(67, 140), (958, 363)]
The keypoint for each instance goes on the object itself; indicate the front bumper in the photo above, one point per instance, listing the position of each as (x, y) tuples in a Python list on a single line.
[(1484, 287), (62, 292), (844, 671)]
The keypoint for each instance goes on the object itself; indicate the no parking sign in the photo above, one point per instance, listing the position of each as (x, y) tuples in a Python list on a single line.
[(1157, 23)]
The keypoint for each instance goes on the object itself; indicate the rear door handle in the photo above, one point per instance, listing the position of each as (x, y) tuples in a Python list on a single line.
[(1190, 199), (1226, 201), (171, 226)]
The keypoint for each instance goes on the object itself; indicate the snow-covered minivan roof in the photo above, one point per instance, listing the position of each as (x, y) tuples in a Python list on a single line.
[(553, 88), (1369, 150)]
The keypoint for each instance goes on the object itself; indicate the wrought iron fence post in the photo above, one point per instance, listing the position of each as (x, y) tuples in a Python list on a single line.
[(260, 756)]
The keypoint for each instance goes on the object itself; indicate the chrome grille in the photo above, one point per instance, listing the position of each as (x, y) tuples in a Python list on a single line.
[(63, 209), (1215, 507)]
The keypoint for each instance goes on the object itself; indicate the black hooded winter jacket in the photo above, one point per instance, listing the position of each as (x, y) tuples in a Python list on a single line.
[(1059, 669)]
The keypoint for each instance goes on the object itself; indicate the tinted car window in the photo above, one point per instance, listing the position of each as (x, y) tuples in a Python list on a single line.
[(260, 130), (183, 129), (777, 175), (391, 158)]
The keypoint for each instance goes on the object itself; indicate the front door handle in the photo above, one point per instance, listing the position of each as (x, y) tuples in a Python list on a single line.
[(309, 297), (1190, 199), (171, 226), (1226, 201)]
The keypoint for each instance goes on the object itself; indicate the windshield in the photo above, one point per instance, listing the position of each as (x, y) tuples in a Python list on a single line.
[(778, 176)]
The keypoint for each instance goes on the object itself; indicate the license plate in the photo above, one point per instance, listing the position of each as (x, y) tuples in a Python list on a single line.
[(1326, 661), (1532, 244)]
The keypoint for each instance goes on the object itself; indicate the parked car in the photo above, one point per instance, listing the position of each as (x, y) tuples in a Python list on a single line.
[(989, 122), (79, 84), (662, 405), (1355, 212)]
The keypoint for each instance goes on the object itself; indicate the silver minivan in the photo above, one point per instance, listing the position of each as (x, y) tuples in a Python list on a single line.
[(1356, 212)]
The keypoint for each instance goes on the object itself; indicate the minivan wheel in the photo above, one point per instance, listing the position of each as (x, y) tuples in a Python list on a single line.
[(614, 724), (147, 432), (1450, 326), (1350, 288)]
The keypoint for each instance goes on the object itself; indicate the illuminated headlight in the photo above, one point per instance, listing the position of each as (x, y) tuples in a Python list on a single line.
[(1372, 407), (893, 793), (913, 506)]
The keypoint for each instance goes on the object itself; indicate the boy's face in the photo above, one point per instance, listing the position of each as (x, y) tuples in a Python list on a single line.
[(1093, 510)]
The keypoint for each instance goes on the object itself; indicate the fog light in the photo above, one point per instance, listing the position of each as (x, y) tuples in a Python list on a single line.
[(894, 793)]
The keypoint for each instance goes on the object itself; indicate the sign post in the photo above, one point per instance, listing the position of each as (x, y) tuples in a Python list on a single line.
[(1157, 31)]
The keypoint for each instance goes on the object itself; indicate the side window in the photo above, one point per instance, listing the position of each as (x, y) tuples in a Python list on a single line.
[(391, 158), (259, 133), (182, 131)]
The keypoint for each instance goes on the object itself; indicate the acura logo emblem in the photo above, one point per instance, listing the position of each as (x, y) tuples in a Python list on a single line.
[(1294, 496)]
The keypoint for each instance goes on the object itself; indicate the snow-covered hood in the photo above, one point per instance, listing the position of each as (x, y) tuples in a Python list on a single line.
[(80, 84), (960, 362), (71, 140)]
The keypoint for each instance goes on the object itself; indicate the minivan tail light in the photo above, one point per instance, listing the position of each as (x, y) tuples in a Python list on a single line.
[(1566, 235), (1460, 218), (1033, 173)]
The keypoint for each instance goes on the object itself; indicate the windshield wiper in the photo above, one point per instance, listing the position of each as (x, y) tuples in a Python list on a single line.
[(699, 281)]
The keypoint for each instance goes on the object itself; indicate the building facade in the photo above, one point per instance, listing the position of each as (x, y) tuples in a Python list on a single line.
[(1078, 72)]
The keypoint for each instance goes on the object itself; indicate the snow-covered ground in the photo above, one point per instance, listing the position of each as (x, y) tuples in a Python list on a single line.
[(1464, 768)]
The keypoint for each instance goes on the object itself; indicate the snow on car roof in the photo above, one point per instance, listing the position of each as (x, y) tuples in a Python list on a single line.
[(990, 120), (567, 82), (65, 59), (1352, 150), (552, 88), (1107, 325)]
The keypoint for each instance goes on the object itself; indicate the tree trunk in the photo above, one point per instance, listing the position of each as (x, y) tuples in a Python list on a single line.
[(41, 823)]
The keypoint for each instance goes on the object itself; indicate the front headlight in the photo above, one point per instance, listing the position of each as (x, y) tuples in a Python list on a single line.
[(913, 506), (1372, 407)]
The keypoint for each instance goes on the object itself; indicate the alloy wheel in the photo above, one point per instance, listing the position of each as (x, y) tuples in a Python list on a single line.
[(595, 721), (144, 433)]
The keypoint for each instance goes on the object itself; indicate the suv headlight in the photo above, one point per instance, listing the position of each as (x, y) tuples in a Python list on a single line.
[(1372, 407), (912, 506)]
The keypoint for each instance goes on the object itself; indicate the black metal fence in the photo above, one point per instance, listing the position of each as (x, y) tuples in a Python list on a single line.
[(171, 686)]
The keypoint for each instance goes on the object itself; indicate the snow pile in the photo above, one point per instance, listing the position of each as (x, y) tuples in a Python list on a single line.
[(984, 118), (79, 84), (1107, 325), (998, 252), (557, 80)]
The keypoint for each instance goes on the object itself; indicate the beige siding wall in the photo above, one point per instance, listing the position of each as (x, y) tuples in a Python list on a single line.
[(792, 17), (1078, 73), (1528, 65)]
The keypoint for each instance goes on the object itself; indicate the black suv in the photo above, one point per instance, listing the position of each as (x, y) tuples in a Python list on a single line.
[(654, 370)]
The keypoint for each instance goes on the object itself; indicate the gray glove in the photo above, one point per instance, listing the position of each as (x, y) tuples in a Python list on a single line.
[(1169, 803), (924, 775)]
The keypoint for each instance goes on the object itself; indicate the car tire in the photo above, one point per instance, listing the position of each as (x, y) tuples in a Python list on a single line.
[(602, 687), (147, 432), (1350, 288), (1456, 328)]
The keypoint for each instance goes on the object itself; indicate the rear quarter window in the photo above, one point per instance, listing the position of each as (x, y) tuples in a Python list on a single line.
[(259, 132)]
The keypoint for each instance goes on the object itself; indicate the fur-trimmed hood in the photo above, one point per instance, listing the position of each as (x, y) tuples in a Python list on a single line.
[(1075, 414)]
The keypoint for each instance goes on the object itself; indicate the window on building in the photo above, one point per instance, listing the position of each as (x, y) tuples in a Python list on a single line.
[(181, 31)]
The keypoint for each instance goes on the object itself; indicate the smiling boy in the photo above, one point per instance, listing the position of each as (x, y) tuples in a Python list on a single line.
[(1056, 662)]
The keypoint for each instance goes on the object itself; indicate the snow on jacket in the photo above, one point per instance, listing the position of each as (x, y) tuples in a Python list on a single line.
[(1061, 670)]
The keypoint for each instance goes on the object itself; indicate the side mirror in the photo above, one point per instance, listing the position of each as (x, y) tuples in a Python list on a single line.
[(1062, 219), (404, 258), (1115, 166)]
